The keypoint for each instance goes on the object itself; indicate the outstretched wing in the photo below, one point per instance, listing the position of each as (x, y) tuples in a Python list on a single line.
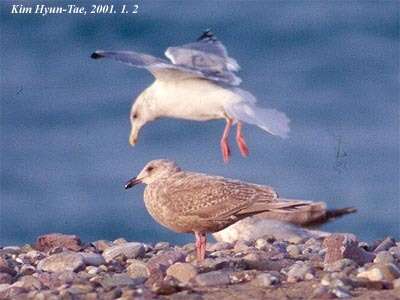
[(209, 56), (160, 68)]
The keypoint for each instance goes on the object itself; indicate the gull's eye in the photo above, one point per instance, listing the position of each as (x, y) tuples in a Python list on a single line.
[(149, 169), (135, 115)]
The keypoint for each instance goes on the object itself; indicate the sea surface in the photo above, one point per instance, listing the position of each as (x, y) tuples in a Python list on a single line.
[(331, 66)]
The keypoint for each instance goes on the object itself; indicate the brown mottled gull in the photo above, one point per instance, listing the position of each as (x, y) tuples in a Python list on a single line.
[(199, 203)]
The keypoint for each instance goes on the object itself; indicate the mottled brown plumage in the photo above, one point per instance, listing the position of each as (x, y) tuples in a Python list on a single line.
[(194, 202)]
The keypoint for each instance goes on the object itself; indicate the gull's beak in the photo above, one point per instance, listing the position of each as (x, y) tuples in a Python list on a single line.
[(134, 134), (132, 140), (132, 182)]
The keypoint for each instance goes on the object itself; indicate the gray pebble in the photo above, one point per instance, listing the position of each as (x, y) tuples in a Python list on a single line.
[(92, 259), (184, 272), (386, 244), (128, 250), (384, 257), (341, 292), (138, 271), (293, 250), (396, 283), (265, 280), (91, 270), (162, 246), (27, 270), (261, 244), (395, 251), (300, 271), (340, 265), (108, 281), (5, 278), (120, 241), (60, 262), (219, 246), (213, 278), (381, 272), (242, 246)]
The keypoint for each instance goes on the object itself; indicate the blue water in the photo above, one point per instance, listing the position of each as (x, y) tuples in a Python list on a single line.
[(332, 66)]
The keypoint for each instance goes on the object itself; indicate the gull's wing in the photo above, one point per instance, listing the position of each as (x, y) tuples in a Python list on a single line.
[(209, 56), (160, 68), (217, 198), (221, 199)]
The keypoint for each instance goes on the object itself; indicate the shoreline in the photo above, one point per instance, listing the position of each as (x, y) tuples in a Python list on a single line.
[(337, 266)]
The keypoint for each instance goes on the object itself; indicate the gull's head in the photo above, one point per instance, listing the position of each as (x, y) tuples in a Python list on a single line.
[(154, 170), (141, 113)]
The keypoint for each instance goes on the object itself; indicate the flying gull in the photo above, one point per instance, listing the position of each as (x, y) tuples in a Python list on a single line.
[(199, 82), (198, 203)]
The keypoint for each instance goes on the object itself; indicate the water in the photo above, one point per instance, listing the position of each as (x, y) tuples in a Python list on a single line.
[(331, 66)]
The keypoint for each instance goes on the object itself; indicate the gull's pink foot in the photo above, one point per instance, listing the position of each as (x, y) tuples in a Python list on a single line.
[(226, 152), (201, 241), (244, 150)]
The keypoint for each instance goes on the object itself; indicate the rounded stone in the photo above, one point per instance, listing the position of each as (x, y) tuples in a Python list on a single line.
[(162, 246), (261, 244), (128, 250), (184, 272), (5, 278), (293, 250), (27, 270), (340, 265), (60, 262), (92, 259), (341, 292), (214, 278), (28, 282), (396, 283), (92, 270), (381, 272), (384, 257), (299, 271), (265, 280), (138, 271)]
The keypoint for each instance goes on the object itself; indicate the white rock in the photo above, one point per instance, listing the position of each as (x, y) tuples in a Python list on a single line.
[(252, 228), (381, 272)]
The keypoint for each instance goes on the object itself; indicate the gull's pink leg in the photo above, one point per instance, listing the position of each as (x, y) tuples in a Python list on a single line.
[(240, 140), (201, 241), (203, 246), (226, 152)]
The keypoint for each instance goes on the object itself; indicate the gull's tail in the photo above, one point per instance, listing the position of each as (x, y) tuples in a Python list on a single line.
[(306, 213), (270, 120)]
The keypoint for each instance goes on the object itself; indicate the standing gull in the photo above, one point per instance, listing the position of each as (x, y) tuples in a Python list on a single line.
[(199, 203), (198, 83)]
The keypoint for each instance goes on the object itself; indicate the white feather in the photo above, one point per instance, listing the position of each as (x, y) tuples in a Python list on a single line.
[(270, 120)]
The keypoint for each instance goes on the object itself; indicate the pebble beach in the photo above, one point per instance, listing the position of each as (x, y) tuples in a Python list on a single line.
[(60, 266)]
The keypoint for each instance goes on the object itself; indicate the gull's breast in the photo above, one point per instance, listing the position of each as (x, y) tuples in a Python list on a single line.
[(192, 99)]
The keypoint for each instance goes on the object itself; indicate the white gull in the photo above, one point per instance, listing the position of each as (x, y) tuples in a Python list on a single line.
[(198, 83)]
